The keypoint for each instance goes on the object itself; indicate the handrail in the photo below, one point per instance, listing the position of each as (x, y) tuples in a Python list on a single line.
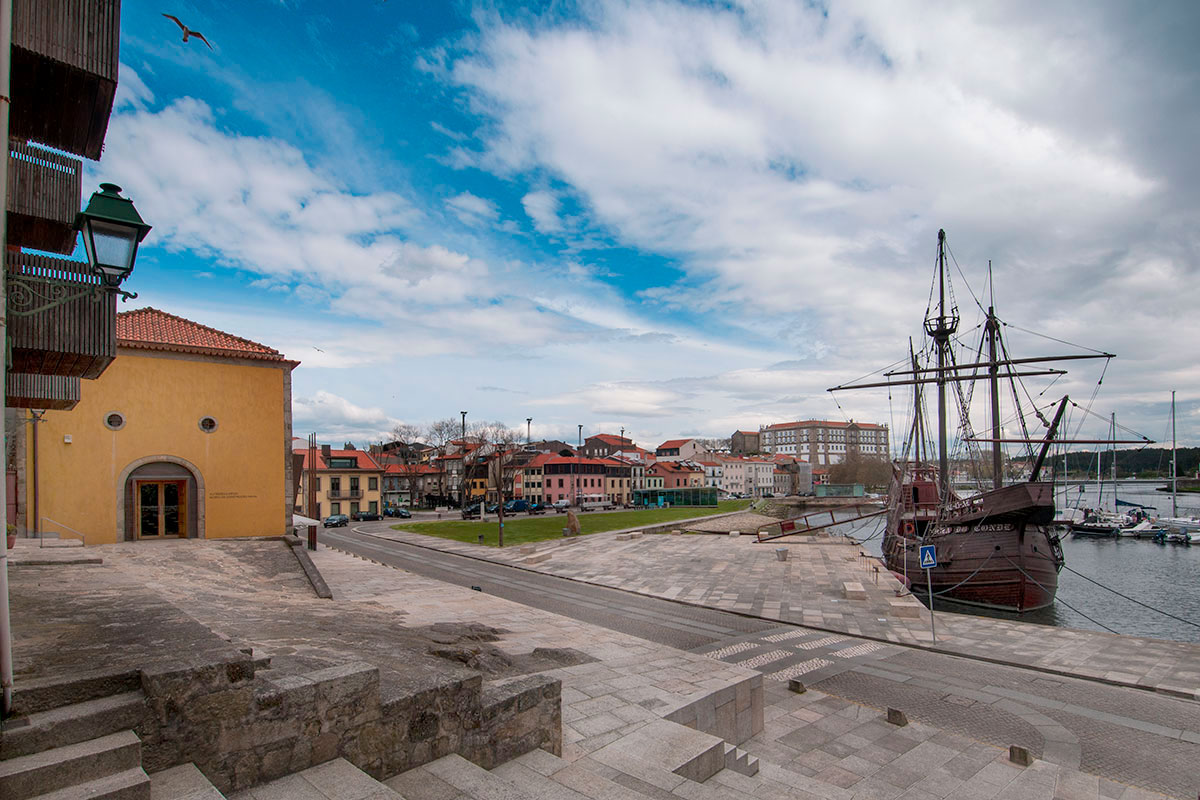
[(42, 538)]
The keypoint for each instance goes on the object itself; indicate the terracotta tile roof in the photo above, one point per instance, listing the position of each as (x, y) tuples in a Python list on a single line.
[(673, 443), (609, 438), (361, 457), (411, 469), (572, 460), (824, 423), (151, 329)]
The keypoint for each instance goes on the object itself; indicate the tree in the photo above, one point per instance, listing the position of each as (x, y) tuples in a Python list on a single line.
[(859, 468), (438, 435), (715, 445), (406, 458)]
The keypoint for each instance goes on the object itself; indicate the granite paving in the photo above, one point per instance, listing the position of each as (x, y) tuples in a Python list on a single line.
[(812, 745), (809, 589)]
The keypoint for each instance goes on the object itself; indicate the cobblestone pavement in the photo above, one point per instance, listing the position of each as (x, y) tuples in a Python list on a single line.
[(735, 574), (813, 745), (1116, 733)]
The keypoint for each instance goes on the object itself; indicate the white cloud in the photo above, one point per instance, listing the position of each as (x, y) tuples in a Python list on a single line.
[(542, 207), (334, 418), (797, 160), (473, 210)]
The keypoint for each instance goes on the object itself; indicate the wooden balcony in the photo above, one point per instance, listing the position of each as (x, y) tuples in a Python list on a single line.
[(53, 392), (77, 338), (43, 198), (64, 72)]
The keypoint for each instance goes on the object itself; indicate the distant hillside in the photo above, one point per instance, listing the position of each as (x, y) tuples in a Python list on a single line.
[(1151, 462)]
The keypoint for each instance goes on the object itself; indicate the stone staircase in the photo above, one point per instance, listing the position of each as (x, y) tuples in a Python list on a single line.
[(74, 740)]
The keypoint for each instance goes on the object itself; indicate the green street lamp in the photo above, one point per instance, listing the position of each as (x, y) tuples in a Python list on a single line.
[(112, 230)]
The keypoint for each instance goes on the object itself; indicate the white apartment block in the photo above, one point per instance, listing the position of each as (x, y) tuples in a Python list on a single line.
[(824, 442)]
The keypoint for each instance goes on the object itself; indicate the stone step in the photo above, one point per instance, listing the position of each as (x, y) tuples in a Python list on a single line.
[(185, 782), (34, 695), (130, 784), (532, 782), (684, 751), (71, 724), (468, 779), (39, 773), (740, 761), (334, 780), (582, 781)]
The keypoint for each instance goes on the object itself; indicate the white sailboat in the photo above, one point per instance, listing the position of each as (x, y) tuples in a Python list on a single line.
[(1182, 529)]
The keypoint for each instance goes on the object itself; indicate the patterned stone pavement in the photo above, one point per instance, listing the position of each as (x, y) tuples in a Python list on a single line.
[(812, 745), (736, 574)]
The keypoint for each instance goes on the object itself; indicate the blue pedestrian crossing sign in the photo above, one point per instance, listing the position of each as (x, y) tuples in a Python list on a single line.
[(928, 556)]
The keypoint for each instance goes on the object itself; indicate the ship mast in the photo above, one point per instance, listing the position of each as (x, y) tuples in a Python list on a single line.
[(993, 331), (941, 328)]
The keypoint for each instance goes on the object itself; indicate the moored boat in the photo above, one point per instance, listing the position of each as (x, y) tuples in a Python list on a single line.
[(997, 548)]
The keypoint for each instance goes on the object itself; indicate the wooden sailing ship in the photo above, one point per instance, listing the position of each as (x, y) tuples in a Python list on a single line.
[(996, 548)]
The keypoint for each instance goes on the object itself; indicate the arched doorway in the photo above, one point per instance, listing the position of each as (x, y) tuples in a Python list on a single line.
[(161, 497)]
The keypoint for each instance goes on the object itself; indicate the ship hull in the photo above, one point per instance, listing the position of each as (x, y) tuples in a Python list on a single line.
[(996, 550)]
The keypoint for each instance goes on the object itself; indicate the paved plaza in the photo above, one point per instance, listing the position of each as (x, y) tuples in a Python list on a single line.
[(737, 574), (813, 745)]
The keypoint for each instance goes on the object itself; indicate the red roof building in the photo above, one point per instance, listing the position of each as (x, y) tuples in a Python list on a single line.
[(151, 329)]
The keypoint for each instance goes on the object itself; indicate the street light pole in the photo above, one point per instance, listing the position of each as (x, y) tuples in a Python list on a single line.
[(528, 429), (578, 467)]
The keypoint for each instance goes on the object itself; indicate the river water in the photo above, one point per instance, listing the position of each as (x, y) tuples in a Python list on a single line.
[(1166, 577)]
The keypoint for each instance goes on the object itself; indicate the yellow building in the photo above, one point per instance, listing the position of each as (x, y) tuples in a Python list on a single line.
[(187, 434), (346, 482)]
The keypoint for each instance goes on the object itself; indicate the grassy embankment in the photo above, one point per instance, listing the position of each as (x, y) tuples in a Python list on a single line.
[(522, 528)]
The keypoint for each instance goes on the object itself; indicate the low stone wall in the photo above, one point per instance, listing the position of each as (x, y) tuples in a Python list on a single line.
[(242, 730)]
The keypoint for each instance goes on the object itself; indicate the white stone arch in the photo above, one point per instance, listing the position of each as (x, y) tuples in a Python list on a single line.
[(141, 462)]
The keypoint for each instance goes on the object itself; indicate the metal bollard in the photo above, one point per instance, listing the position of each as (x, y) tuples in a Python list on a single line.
[(312, 537)]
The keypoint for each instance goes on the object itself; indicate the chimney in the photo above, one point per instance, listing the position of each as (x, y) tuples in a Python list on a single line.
[(325, 452)]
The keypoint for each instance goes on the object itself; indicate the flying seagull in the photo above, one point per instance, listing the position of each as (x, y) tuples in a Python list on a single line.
[(188, 32)]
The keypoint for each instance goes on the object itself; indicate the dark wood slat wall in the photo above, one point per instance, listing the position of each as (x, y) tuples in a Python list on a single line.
[(84, 34), (76, 339), (44, 194), (48, 392), (65, 58)]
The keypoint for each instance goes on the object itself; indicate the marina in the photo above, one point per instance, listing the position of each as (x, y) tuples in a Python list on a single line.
[(1163, 576)]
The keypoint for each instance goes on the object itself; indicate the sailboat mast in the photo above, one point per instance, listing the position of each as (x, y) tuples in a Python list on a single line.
[(941, 329), (994, 382), (1174, 464)]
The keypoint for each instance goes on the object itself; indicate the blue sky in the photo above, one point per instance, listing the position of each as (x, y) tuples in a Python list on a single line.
[(680, 218)]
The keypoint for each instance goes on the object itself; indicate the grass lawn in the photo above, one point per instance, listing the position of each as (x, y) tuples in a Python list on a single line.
[(522, 528)]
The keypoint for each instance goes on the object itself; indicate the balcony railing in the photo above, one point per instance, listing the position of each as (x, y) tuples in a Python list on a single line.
[(43, 198), (76, 337), (345, 494), (64, 72), (53, 392)]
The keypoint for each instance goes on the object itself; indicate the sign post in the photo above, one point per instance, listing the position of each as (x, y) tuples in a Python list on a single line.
[(928, 562)]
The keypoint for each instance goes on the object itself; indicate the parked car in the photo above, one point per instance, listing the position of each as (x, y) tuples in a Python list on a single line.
[(560, 506), (396, 511), (471, 510), (516, 506), (336, 521), (366, 516), (536, 508), (492, 508)]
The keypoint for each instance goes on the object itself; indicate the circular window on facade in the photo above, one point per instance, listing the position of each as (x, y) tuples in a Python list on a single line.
[(207, 424), (114, 421)]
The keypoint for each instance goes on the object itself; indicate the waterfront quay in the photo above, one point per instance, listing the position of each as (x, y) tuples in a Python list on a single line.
[(1115, 707), (711, 613)]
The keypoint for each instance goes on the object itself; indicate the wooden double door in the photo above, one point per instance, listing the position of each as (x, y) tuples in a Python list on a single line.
[(162, 509)]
